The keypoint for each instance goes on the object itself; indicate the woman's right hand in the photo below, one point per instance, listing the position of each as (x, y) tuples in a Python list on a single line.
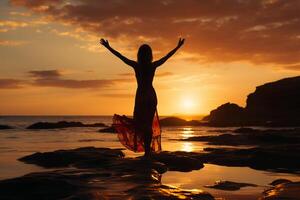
[(180, 42), (104, 42)]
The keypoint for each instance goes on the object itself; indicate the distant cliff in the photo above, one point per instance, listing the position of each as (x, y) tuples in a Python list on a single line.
[(275, 104)]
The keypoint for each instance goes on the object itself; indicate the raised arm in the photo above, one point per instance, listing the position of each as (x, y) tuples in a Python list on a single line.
[(171, 53), (118, 54)]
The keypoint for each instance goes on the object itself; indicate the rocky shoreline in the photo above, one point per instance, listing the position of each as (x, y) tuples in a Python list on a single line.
[(103, 173)]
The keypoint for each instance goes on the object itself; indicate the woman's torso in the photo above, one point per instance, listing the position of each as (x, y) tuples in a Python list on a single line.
[(144, 75)]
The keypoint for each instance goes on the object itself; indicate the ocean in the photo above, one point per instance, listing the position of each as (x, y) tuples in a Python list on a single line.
[(18, 142)]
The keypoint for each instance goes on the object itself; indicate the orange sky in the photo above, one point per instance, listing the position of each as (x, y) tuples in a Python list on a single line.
[(51, 63)]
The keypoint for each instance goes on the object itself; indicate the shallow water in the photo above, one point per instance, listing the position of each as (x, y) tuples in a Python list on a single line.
[(19, 142)]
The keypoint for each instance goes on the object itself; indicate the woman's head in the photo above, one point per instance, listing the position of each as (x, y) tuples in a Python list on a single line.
[(145, 54)]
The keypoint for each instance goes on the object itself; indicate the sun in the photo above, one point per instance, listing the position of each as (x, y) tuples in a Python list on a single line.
[(188, 104)]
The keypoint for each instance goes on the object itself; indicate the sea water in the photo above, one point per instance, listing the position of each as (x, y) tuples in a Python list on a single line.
[(18, 142)]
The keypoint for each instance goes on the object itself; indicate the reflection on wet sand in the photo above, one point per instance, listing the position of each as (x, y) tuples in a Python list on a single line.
[(211, 173), (187, 146)]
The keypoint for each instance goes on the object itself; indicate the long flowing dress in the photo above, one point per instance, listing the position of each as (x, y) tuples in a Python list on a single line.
[(133, 132)]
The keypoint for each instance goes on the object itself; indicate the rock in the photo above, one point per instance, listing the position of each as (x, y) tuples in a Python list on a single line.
[(91, 185), (249, 136), (276, 102), (280, 181), (281, 158), (62, 124), (245, 130), (229, 185), (228, 114), (2, 127), (97, 173), (272, 104), (91, 157), (175, 121), (174, 161), (108, 130), (88, 156), (289, 190)]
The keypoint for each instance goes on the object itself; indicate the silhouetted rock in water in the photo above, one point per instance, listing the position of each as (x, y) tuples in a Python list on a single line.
[(280, 181), (64, 158), (288, 191), (245, 130), (281, 158), (62, 124), (228, 114), (272, 104), (177, 162), (90, 157), (229, 185), (2, 127), (97, 173), (108, 130), (247, 136), (175, 121)]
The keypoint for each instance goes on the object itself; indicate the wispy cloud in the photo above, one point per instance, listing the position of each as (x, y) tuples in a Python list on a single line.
[(11, 83), (12, 43), (45, 73), (55, 78)]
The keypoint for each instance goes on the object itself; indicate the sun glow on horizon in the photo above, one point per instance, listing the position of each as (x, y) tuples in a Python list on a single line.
[(188, 105)]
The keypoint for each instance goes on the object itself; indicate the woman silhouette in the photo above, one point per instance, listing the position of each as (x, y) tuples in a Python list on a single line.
[(145, 99)]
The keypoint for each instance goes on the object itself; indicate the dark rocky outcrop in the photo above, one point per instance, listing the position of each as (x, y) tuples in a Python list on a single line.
[(229, 185), (175, 121), (97, 173), (276, 102), (110, 129), (272, 104), (92, 184), (88, 156), (62, 124), (3, 127), (228, 114), (281, 158), (248, 136), (103, 173), (177, 162)]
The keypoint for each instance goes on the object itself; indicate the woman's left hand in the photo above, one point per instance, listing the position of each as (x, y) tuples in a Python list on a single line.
[(104, 42), (180, 42)]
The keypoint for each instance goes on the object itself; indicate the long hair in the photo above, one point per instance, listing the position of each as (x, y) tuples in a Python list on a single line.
[(144, 54)]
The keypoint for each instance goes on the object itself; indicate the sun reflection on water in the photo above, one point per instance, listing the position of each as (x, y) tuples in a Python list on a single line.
[(187, 132)]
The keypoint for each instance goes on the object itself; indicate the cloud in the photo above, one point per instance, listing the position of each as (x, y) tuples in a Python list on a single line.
[(258, 31), (55, 78), (12, 43), (45, 73), (11, 83), (8, 25)]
